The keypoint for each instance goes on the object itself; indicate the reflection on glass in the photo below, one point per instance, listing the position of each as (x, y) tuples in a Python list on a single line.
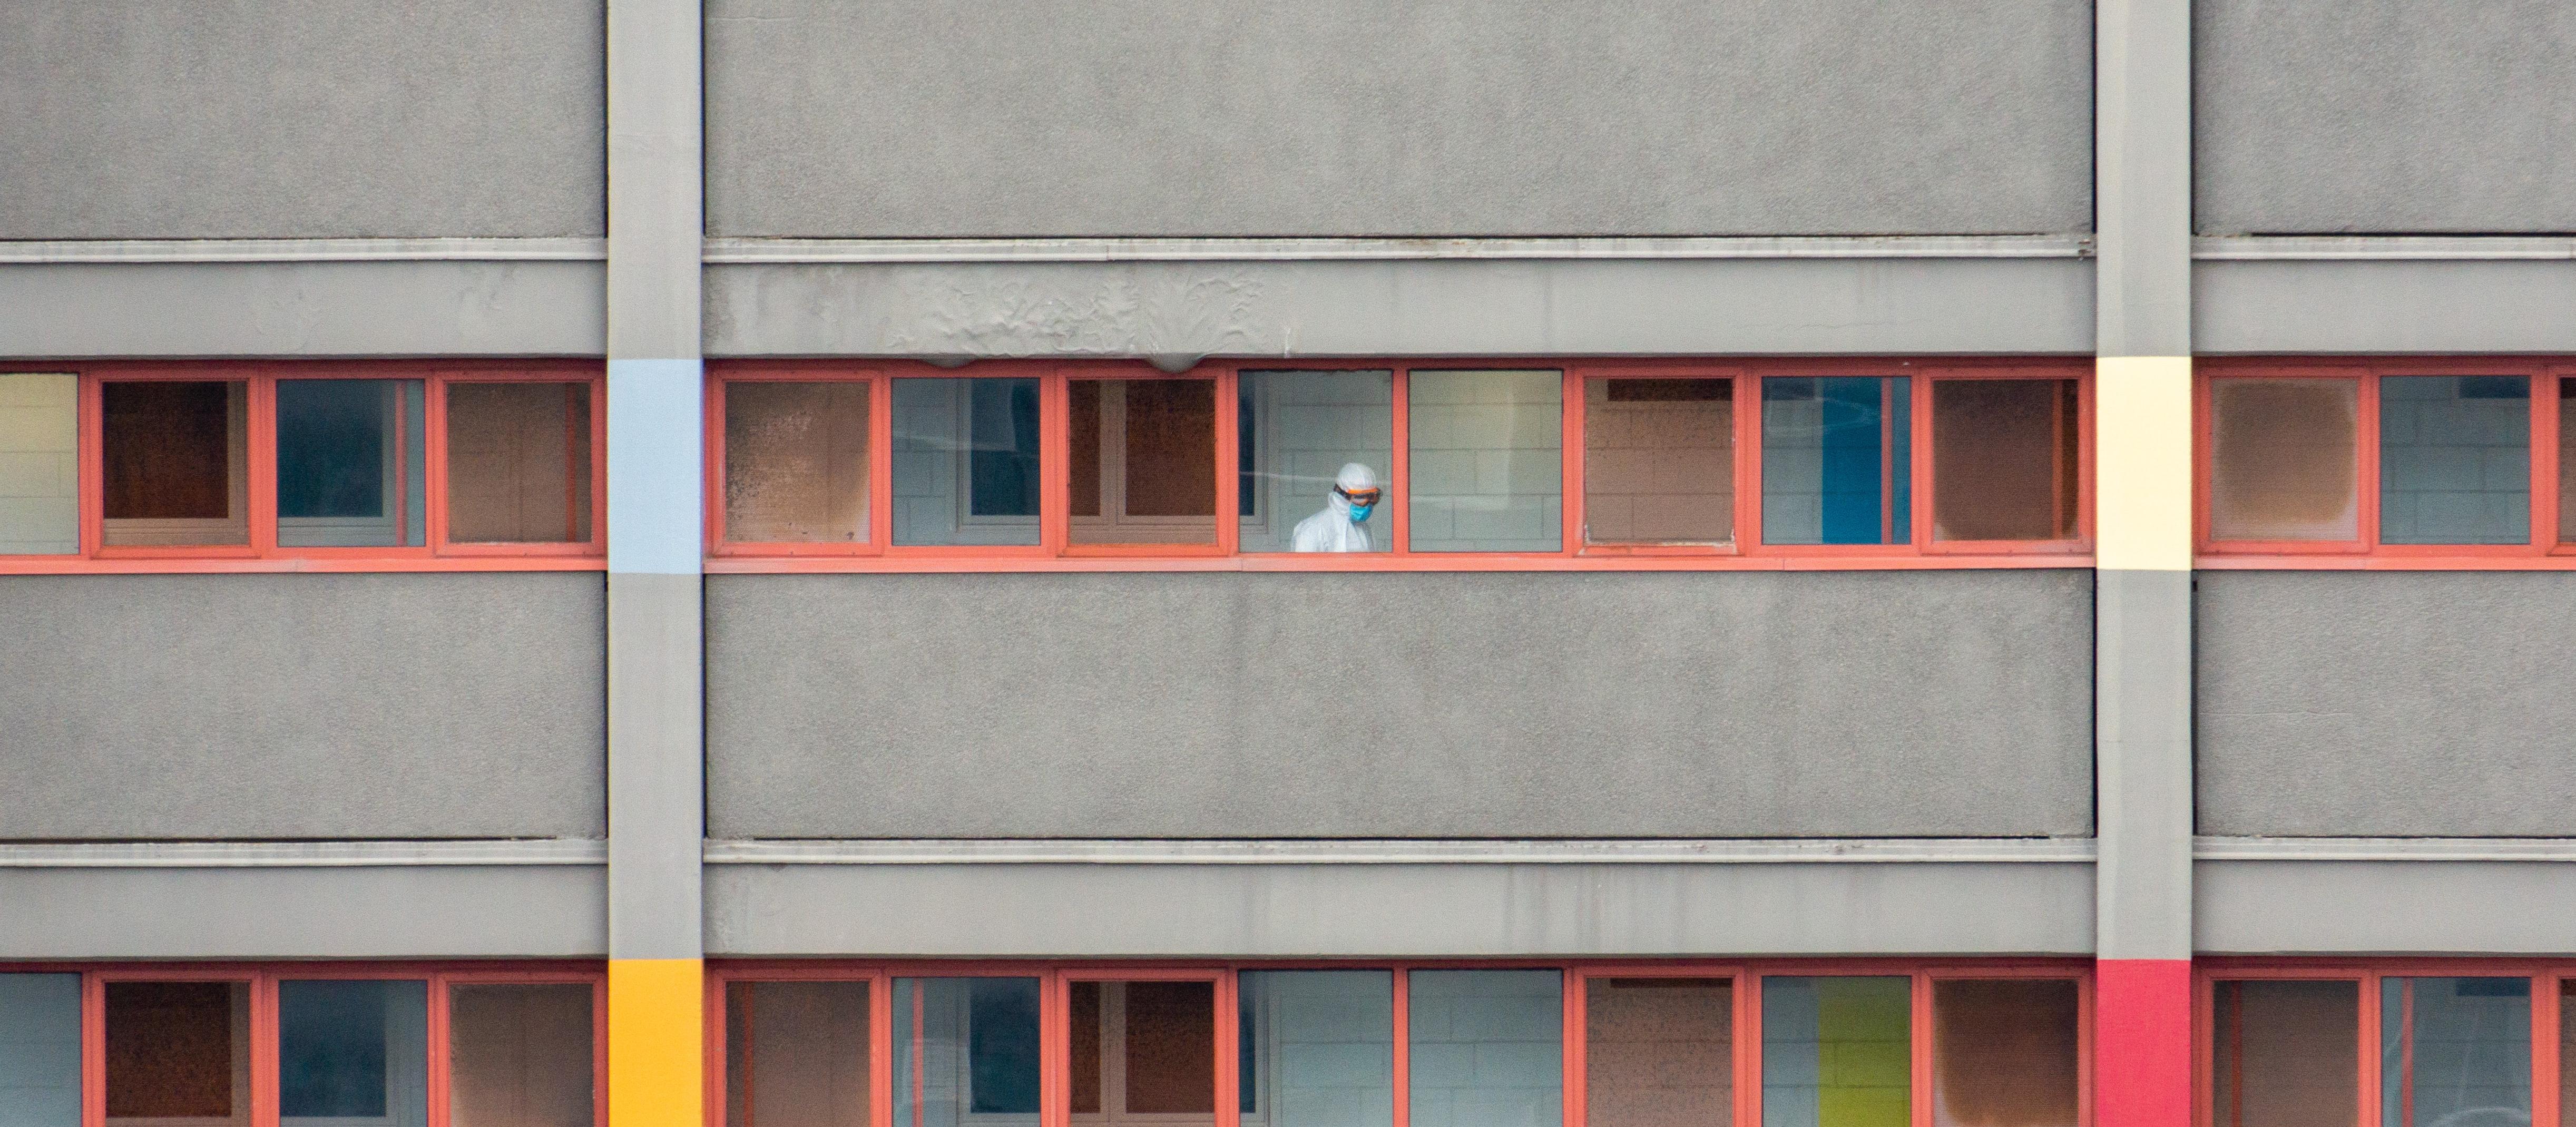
[(1318, 1048), (2455, 460), (965, 1047), (1837, 460), (2004, 462), (2455, 1052), (174, 462), (352, 464), (966, 461), (1487, 461), (1143, 461), (2285, 1054), (39, 464), (796, 1054), (1836, 1052), (1295, 433), (1143, 1049), (1487, 1048), (2003, 1053), (178, 1050), (1659, 461), (796, 462), (2282, 459), (520, 1055), (40, 1045), (1659, 1052), (518, 463), (353, 1050)]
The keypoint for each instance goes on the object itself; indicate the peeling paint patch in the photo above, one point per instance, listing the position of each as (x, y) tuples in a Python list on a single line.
[(1188, 311)]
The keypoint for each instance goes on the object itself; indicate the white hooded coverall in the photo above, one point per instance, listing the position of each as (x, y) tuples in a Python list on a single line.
[(1333, 530)]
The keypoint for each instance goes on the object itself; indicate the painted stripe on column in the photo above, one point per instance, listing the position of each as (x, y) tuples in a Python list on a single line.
[(655, 450), (2142, 1043), (656, 1057), (2142, 467)]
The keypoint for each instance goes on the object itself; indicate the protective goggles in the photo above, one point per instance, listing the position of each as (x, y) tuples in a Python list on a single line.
[(1362, 498)]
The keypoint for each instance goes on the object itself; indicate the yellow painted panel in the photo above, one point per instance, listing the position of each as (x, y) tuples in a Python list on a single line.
[(655, 1060), (2142, 463)]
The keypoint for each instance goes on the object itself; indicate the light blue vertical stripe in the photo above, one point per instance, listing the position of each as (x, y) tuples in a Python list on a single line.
[(656, 451)]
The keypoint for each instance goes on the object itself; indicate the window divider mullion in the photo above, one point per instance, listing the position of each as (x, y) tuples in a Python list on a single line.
[(880, 463), (1569, 504), (1229, 466), (2366, 465), (1919, 474), (2544, 461), (1399, 486), (259, 517)]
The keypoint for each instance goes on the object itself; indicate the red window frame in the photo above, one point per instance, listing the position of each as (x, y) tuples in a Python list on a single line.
[(2546, 979), (262, 553), (2364, 550), (1054, 552), (1054, 1011), (262, 978)]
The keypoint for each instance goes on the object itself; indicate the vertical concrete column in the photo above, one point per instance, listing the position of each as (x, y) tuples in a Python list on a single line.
[(656, 761), (2143, 635)]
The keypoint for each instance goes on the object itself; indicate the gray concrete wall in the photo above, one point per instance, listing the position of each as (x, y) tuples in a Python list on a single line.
[(2385, 907), (2392, 116), (2406, 308), (302, 706), (336, 309), (143, 119), (1365, 117), (432, 911), (1746, 704), (2386, 704)]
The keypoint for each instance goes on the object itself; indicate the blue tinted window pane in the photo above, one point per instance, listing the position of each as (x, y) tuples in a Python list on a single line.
[(965, 461), (1319, 1047), (1837, 460), (1487, 1048), (2455, 1051), (1004, 434), (350, 463), (2454, 460), (353, 1049), (965, 1046), (40, 1016)]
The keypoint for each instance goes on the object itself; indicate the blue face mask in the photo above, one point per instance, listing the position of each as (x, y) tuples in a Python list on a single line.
[(1359, 513)]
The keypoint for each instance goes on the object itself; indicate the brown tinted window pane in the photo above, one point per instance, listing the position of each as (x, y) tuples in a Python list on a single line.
[(2285, 1054), (1144, 1048), (796, 462), (2281, 456), (520, 1056), (2567, 462), (178, 1050), (2004, 463), (1659, 1052), (1659, 461), (518, 462), (1143, 461), (2003, 1053), (2567, 1054), (174, 462), (796, 1054)]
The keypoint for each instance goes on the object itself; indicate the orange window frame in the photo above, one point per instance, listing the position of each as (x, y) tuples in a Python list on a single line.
[(2542, 551), (262, 980), (2546, 978), (1054, 1013), (262, 553), (1055, 552)]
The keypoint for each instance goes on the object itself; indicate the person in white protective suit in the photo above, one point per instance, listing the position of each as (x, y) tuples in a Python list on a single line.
[(1343, 525)]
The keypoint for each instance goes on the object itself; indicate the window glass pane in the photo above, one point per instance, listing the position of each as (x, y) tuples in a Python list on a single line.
[(39, 466), (40, 1026), (2567, 460), (1318, 1048), (1659, 1052), (965, 461), (2004, 464), (2003, 1053), (350, 464), (520, 1055), (1298, 433), (1143, 1049), (1837, 460), (178, 1050), (518, 463), (2455, 1052), (2567, 1053), (174, 462), (965, 1047), (1143, 461), (2281, 460), (796, 1054), (1836, 1052), (1658, 461), (1487, 1048), (353, 1050), (796, 462), (2286, 1054), (2455, 460), (1487, 460)]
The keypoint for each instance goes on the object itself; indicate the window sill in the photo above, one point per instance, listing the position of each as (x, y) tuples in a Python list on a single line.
[(2522, 561), (1460, 562), (183, 565)]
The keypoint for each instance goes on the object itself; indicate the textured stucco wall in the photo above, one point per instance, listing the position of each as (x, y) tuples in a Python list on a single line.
[(1368, 117), (302, 706), (2389, 116), (1400, 705), (2434, 703), (145, 119)]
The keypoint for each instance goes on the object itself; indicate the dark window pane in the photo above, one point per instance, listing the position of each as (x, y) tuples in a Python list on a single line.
[(518, 462), (2454, 460), (2286, 1054), (1143, 461), (353, 1049), (2567, 461), (1837, 460), (350, 463), (965, 461), (178, 1050), (1659, 461), (174, 461), (2004, 463)]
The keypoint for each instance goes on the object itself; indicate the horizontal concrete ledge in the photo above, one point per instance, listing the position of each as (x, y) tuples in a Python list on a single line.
[(2357, 306), (2382, 849), (2415, 906), (744, 250), (306, 250), (302, 308), (299, 854), (318, 912), (2381, 248), (1404, 852)]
